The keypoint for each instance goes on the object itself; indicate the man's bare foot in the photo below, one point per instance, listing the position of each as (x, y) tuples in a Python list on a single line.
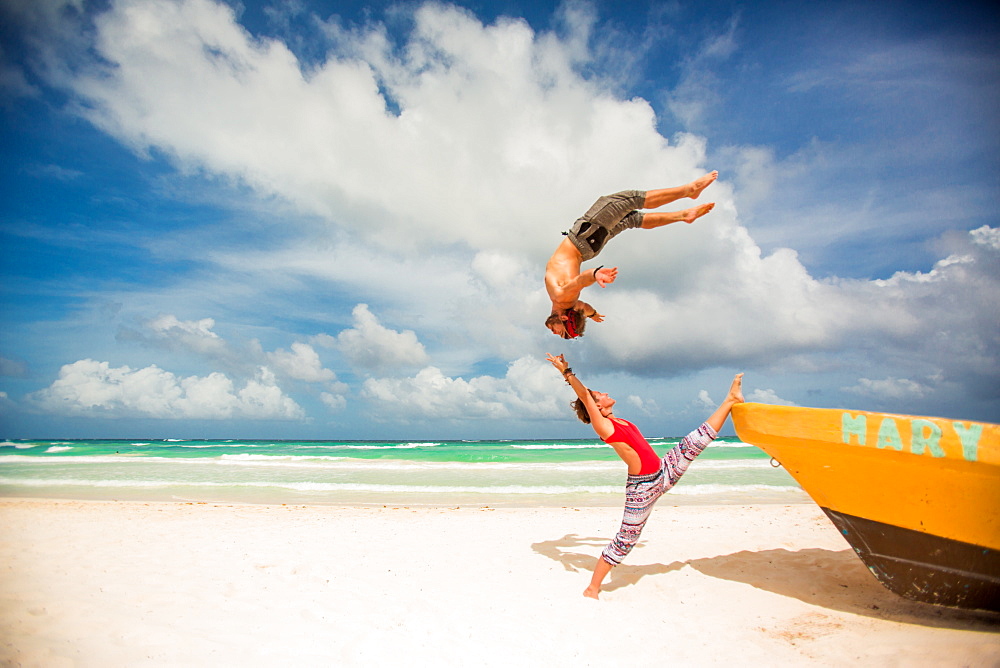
[(590, 592), (694, 213), (736, 390), (696, 186)]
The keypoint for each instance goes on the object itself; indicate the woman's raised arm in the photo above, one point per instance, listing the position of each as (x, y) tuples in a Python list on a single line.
[(603, 427)]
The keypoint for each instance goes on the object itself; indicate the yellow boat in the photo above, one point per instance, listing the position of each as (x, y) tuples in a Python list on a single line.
[(918, 498)]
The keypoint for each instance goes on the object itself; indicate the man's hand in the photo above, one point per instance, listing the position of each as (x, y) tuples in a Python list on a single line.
[(605, 276)]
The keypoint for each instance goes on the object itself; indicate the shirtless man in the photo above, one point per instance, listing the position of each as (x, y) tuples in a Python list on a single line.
[(606, 218)]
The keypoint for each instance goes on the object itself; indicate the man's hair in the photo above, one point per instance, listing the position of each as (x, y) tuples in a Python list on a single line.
[(577, 325)]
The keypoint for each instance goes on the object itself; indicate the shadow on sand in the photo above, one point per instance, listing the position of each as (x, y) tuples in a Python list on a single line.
[(825, 578)]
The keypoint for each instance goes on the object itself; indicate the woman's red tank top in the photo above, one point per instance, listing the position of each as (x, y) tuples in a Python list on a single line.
[(628, 433)]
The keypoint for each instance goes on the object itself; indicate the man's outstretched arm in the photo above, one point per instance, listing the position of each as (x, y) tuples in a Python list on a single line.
[(601, 276)]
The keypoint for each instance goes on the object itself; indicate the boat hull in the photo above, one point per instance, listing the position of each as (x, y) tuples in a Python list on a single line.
[(917, 498), (924, 567)]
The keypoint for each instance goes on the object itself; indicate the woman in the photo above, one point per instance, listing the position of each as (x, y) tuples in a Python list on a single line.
[(649, 476)]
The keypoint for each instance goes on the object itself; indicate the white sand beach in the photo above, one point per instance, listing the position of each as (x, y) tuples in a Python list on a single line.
[(90, 583)]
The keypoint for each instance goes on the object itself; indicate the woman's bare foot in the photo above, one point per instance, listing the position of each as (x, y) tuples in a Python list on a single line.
[(694, 213), (736, 390), (696, 186), (591, 592), (718, 419)]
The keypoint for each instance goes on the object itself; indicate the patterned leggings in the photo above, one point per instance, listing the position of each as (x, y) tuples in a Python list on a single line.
[(643, 491)]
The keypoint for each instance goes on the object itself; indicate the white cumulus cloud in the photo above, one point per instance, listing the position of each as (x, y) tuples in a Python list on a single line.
[(529, 390), (768, 396), (196, 334), (646, 406), (335, 402), (96, 389), (987, 236), (370, 345), (477, 104), (168, 331), (301, 363)]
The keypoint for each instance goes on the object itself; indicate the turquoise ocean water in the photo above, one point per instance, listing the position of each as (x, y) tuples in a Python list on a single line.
[(493, 473)]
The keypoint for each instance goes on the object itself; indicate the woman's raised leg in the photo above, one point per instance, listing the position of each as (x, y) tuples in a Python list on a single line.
[(735, 396)]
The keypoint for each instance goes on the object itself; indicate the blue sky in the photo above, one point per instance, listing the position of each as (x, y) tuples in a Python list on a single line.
[(330, 219)]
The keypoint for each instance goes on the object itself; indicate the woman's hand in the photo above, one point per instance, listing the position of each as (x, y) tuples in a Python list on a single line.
[(596, 317), (559, 362)]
